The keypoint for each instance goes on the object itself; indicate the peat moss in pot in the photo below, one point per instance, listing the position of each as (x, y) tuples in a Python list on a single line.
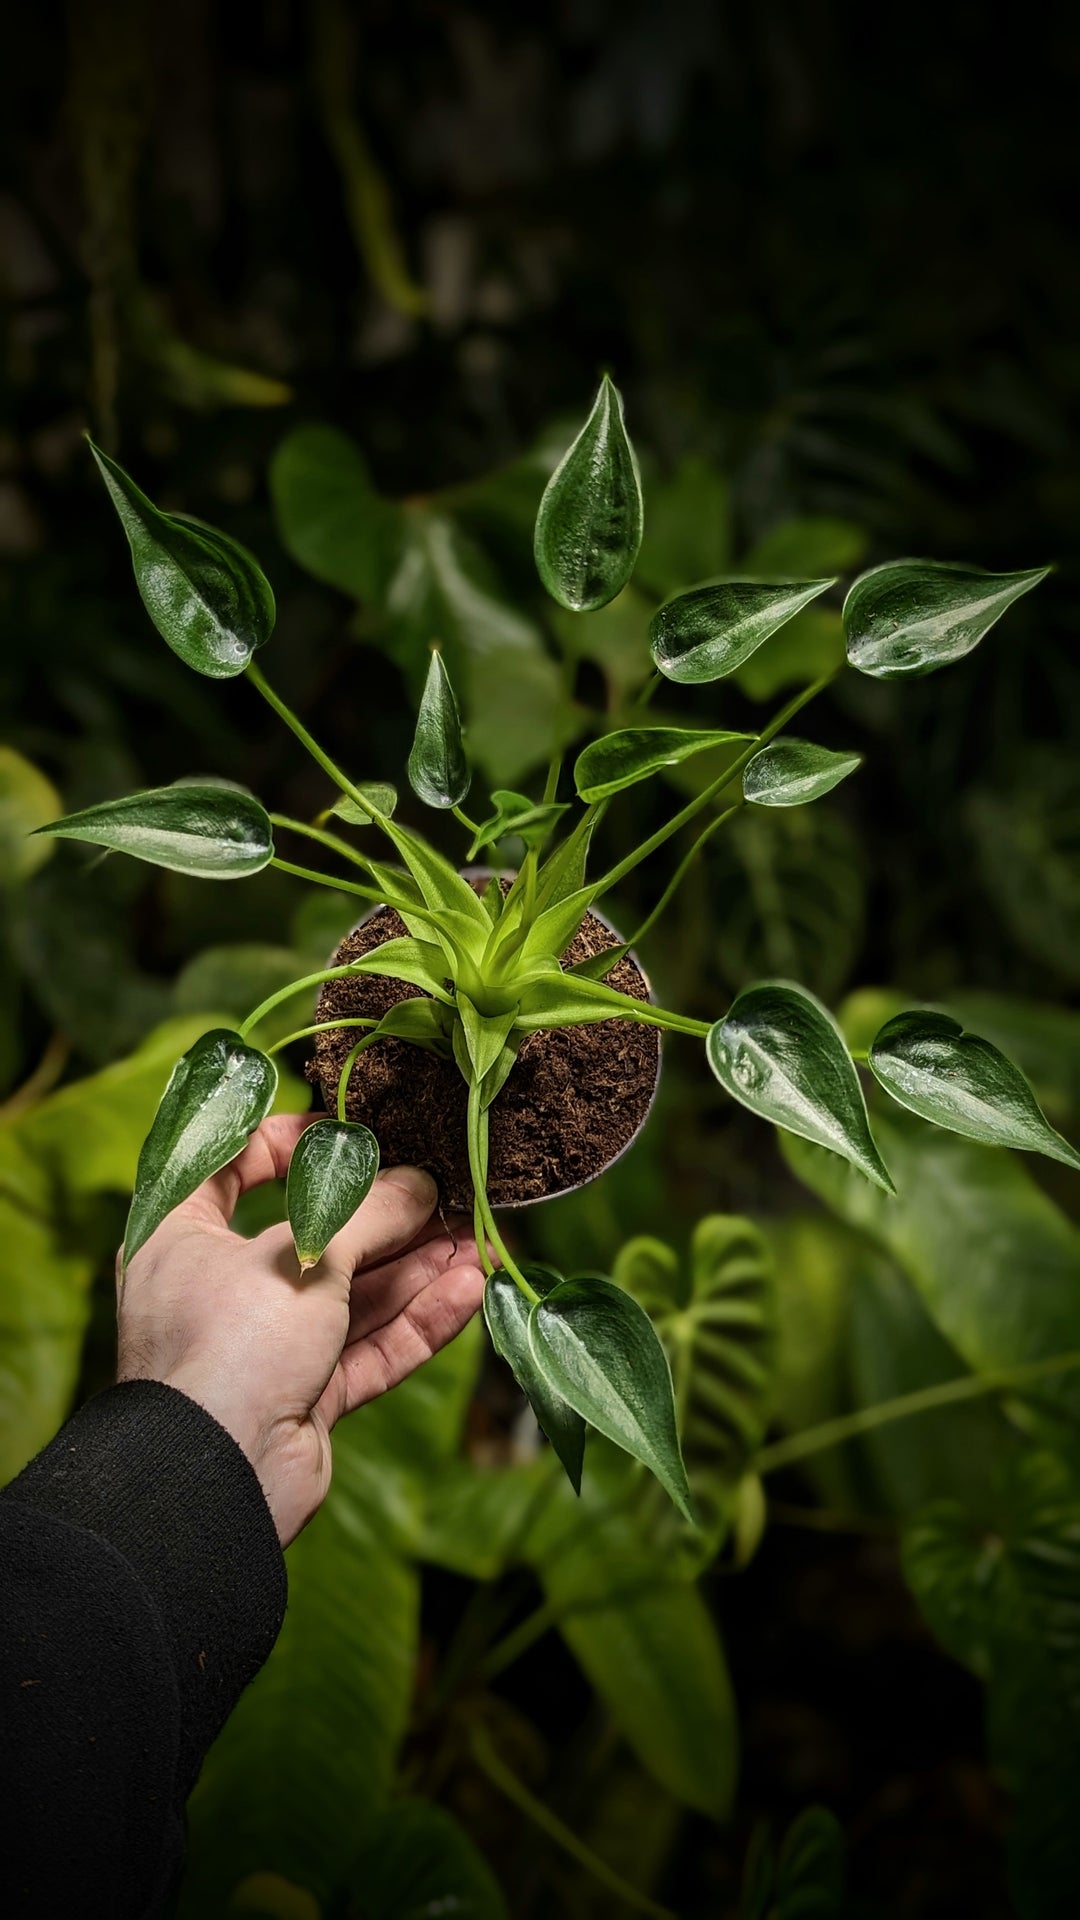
[(575, 1098)]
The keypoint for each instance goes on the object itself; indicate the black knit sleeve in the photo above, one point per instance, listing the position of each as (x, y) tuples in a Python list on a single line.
[(141, 1587)]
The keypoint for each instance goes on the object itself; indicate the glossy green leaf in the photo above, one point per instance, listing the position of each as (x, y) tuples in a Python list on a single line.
[(423, 1023), (707, 633), (215, 833), (206, 595), (506, 1311), (717, 1322), (27, 801), (599, 1351), (568, 1000), (958, 1080), (789, 772), (485, 1035), (417, 1863), (530, 820), (781, 1053), (438, 770), (332, 1170), (589, 526), (913, 616), (441, 885), (382, 797), (417, 962), (330, 518), (218, 1094), (619, 760)]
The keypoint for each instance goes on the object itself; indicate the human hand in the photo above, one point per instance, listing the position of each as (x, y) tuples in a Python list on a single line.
[(276, 1358)]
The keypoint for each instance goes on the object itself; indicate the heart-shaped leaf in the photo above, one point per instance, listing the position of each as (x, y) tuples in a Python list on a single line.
[(621, 759), (781, 1053), (506, 1311), (383, 798), (217, 833), (595, 1347), (218, 1094), (707, 633), (589, 526), (960, 1081), (332, 1170), (531, 820), (206, 595), (789, 772), (438, 770), (914, 616)]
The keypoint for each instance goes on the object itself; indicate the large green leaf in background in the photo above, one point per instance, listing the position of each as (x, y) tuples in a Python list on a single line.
[(1002, 1592), (417, 1863), (309, 1754), (28, 800), (330, 518), (1027, 837), (793, 887)]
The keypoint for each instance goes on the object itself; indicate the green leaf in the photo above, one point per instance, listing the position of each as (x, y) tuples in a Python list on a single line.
[(515, 813), (506, 1311), (789, 772), (218, 1094), (417, 962), (913, 616), (485, 1034), (216, 833), (621, 759), (383, 798), (518, 713), (330, 518), (438, 770), (417, 1862), (781, 1053), (595, 1347), (959, 1081), (718, 1327), (589, 526), (449, 896), (206, 595), (1003, 1595), (805, 650), (568, 1000), (1027, 834), (688, 534), (796, 549), (706, 634), (811, 1868), (27, 801), (332, 1170)]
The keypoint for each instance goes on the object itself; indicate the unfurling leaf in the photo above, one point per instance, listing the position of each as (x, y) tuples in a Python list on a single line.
[(332, 1170), (215, 832), (621, 759), (438, 770), (531, 820), (707, 633), (506, 1311), (588, 529), (218, 1094), (594, 1346), (914, 616), (960, 1081), (567, 1000), (781, 1053), (383, 798), (790, 772), (206, 595)]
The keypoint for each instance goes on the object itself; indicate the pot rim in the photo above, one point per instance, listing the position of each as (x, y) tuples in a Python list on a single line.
[(542, 1199)]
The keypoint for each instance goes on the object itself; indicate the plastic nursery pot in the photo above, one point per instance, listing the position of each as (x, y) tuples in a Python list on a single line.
[(573, 1103)]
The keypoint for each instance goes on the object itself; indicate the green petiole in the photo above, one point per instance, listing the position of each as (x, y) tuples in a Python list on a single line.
[(483, 1218), (323, 1026)]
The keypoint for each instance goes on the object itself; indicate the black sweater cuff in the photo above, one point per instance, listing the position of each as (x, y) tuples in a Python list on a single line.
[(153, 1474)]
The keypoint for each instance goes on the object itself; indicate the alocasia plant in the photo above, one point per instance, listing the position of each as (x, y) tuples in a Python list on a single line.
[(488, 966)]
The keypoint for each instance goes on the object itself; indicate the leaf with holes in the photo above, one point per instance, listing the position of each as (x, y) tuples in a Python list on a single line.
[(706, 634), (589, 526), (506, 1311), (218, 1094), (620, 760), (911, 617), (596, 1348), (780, 1052), (790, 772), (206, 595), (332, 1170), (215, 833), (438, 770), (959, 1081)]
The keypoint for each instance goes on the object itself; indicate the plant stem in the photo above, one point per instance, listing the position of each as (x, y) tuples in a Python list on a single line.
[(483, 1218), (42, 1080), (324, 839), (703, 799), (680, 874), (285, 993), (324, 1026), (832, 1433), (460, 814), (520, 1796), (327, 880), (259, 681), (346, 1072)]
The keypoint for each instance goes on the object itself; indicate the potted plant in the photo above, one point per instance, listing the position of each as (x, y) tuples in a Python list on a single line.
[(497, 1000)]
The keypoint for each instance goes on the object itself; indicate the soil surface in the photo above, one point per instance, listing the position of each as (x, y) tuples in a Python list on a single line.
[(574, 1099)]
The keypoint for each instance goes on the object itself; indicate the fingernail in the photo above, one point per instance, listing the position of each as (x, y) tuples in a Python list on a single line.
[(415, 1182)]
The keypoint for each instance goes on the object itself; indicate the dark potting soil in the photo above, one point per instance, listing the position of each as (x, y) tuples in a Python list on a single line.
[(574, 1099)]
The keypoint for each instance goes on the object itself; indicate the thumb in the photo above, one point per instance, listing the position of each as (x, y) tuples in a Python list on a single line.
[(399, 1206)]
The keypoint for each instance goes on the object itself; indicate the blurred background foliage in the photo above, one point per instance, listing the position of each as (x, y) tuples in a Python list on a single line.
[(339, 278)]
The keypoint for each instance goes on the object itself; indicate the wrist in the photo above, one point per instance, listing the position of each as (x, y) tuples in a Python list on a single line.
[(291, 1457)]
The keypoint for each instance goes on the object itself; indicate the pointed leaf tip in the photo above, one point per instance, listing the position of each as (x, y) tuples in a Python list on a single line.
[(590, 521), (910, 617), (957, 1080)]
